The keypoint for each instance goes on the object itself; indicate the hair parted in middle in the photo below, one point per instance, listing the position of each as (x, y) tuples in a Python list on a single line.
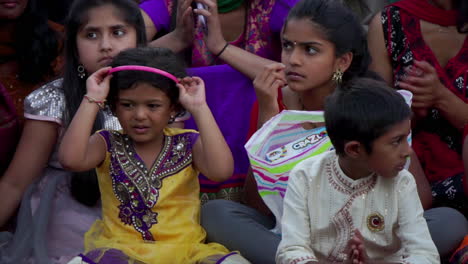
[(341, 27), (363, 110), (84, 186)]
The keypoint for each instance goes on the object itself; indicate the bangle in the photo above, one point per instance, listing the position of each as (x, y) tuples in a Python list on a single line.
[(222, 50), (92, 100)]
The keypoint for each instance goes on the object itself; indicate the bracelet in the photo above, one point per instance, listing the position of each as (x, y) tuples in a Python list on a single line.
[(90, 99), (222, 50)]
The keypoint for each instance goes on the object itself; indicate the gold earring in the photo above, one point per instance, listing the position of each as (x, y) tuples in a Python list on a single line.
[(171, 120), (337, 76)]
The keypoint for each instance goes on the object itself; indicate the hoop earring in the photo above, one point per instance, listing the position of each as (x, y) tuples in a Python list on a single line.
[(337, 76), (171, 120), (81, 71)]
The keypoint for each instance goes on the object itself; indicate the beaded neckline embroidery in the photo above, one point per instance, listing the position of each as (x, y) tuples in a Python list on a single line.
[(135, 187), (343, 220)]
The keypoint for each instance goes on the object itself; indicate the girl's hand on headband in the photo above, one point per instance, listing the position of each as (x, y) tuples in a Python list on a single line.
[(192, 93), (97, 85), (268, 82)]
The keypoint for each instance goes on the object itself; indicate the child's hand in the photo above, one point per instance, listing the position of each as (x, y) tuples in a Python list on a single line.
[(192, 93), (268, 82), (97, 85), (358, 254)]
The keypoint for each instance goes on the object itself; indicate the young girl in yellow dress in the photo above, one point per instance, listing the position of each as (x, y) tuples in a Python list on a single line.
[(148, 172)]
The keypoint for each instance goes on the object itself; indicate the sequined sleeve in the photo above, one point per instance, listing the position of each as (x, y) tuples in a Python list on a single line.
[(46, 103)]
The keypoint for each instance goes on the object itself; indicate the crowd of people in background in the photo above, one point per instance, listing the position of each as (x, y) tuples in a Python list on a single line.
[(123, 125)]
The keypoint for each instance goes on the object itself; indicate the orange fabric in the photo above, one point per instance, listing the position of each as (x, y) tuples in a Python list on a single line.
[(458, 255)]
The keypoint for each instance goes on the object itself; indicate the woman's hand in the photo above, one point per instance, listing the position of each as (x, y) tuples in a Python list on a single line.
[(422, 80), (192, 93), (184, 30), (97, 85), (214, 37)]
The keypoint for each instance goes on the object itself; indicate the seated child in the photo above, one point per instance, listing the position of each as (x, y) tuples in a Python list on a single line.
[(148, 172), (357, 204)]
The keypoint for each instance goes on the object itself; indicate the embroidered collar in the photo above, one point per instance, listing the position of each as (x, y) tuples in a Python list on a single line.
[(136, 187), (341, 182)]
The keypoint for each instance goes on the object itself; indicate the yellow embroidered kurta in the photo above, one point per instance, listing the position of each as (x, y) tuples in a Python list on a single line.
[(151, 215)]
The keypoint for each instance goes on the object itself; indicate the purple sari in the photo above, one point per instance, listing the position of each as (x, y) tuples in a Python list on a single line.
[(230, 96)]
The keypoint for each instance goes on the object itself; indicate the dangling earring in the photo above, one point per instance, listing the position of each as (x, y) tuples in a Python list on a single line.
[(337, 76), (81, 71), (171, 120)]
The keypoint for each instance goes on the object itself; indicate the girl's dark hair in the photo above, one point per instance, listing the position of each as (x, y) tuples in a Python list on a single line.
[(341, 27), (462, 19), (159, 58), (36, 44), (84, 185)]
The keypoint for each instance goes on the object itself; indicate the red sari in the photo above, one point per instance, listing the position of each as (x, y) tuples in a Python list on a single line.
[(436, 142)]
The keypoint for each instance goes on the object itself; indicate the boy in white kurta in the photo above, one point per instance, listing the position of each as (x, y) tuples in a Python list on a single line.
[(358, 204)]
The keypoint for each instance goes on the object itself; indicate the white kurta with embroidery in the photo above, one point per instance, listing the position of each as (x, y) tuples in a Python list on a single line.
[(323, 207)]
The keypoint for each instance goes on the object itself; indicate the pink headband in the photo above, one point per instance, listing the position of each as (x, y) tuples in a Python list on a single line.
[(144, 68)]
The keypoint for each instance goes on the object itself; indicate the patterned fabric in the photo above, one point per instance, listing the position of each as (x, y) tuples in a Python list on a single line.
[(436, 142), (150, 214), (449, 192), (137, 187), (263, 25), (256, 38), (323, 207), (277, 147), (47, 103)]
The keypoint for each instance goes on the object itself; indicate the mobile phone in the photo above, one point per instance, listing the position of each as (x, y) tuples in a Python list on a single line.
[(201, 19)]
